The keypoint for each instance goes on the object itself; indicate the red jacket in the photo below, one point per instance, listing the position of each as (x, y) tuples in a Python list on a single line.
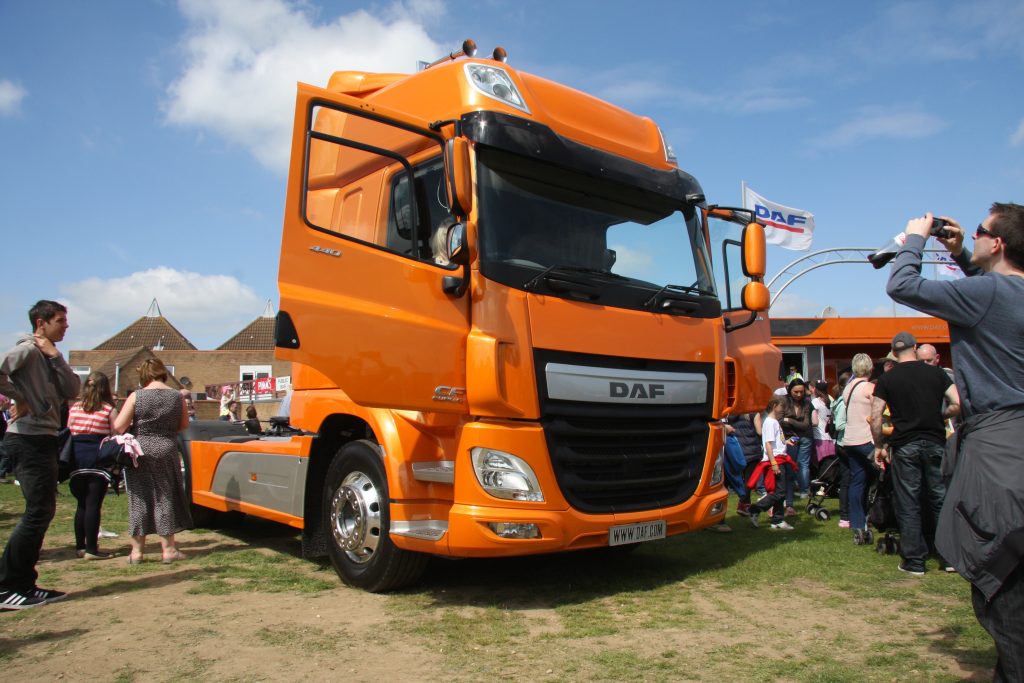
[(765, 467)]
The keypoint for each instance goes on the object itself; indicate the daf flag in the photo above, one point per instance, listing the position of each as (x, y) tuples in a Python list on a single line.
[(786, 227)]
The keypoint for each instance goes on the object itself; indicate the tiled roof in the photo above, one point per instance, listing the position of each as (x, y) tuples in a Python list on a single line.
[(150, 332), (256, 336), (122, 369)]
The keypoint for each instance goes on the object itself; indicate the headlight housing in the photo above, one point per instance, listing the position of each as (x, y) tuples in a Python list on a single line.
[(506, 476), (495, 82), (718, 472)]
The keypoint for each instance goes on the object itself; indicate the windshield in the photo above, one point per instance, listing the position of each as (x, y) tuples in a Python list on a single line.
[(626, 242)]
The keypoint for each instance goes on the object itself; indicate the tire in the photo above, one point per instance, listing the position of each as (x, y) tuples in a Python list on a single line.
[(822, 514), (811, 508), (357, 517)]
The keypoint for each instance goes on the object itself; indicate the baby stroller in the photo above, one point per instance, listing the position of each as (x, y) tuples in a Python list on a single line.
[(882, 514), (825, 485)]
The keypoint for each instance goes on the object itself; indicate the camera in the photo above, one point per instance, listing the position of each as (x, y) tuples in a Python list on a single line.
[(938, 228)]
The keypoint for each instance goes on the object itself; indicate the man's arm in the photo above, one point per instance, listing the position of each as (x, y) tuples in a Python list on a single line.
[(69, 385), (9, 362), (962, 302), (877, 406), (952, 402)]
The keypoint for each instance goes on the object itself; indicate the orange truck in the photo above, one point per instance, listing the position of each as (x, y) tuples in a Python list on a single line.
[(506, 329)]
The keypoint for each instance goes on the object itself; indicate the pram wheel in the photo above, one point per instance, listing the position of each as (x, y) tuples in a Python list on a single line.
[(822, 514), (880, 547), (811, 509)]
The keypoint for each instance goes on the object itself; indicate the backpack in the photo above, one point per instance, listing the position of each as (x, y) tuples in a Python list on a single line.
[(836, 427)]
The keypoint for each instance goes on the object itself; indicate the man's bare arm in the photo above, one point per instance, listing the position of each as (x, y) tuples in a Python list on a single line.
[(877, 406), (952, 402)]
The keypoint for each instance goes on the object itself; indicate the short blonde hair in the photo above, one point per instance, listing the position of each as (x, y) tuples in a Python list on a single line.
[(150, 370), (862, 365)]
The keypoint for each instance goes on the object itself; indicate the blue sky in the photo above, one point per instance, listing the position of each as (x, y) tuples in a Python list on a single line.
[(143, 143)]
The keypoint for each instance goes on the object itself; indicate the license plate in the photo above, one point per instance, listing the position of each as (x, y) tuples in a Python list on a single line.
[(636, 533)]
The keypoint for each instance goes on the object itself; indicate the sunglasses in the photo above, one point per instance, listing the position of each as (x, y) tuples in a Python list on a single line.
[(980, 232)]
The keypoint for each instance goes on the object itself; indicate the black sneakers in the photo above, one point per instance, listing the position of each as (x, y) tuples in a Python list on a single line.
[(913, 572), (46, 595), (10, 600)]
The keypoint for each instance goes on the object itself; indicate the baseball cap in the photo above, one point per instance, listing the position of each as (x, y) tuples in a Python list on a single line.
[(903, 341)]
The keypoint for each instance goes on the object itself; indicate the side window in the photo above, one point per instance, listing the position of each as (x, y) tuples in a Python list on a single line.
[(432, 204), (356, 164), (727, 255)]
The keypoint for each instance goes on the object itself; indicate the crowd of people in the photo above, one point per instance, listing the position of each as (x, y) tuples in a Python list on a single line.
[(949, 448)]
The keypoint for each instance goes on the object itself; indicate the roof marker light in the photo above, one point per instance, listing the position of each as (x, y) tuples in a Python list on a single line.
[(495, 82), (499, 55)]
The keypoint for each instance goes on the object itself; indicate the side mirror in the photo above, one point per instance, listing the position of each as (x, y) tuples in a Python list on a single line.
[(755, 296), (754, 258), (456, 244), (459, 176)]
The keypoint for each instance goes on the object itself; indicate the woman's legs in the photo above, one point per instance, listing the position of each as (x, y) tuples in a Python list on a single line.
[(858, 458), (95, 493), (79, 489), (844, 483), (138, 547)]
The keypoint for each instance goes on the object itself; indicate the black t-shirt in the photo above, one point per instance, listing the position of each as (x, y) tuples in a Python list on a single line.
[(914, 391)]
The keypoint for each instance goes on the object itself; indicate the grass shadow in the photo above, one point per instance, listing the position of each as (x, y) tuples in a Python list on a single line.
[(10, 646)]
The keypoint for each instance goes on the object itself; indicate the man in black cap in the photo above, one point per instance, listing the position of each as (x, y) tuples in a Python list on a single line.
[(914, 391)]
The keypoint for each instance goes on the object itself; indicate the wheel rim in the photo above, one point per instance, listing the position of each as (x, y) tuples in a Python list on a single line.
[(355, 517)]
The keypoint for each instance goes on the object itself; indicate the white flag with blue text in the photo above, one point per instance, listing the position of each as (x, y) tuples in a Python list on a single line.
[(947, 269), (787, 227)]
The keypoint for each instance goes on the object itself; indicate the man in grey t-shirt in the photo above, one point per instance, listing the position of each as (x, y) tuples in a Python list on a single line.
[(981, 528)]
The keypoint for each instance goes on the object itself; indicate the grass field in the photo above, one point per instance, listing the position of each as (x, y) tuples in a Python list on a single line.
[(749, 605)]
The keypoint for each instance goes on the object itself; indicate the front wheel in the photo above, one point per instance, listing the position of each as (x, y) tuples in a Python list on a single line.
[(357, 517)]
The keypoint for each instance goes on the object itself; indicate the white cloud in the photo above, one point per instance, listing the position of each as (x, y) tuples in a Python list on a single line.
[(244, 57), (632, 262), (792, 305), (1017, 139), (207, 309), (11, 95), (882, 123)]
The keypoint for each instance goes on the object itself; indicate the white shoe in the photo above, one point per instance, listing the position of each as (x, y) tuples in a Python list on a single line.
[(782, 526), (106, 534)]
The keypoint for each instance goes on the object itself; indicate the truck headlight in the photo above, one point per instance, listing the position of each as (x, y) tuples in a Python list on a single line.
[(495, 82), (503, 475), (718, 472)]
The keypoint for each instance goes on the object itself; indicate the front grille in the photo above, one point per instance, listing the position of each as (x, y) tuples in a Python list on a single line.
[(624, 465)]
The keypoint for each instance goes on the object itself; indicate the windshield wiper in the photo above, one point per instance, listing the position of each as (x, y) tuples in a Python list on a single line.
[(687, 289), (565, 285)]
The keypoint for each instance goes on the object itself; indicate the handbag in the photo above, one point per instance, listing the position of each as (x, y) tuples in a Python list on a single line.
[(118, 452)]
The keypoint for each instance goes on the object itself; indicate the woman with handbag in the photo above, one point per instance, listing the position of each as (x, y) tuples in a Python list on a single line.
[(90, 419), (156, 494)]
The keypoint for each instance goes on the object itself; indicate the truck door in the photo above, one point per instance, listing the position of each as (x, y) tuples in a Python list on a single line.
[(749, 347), (361, 291)]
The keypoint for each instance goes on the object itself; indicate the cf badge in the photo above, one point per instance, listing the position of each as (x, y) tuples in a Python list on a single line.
[(450, 394)]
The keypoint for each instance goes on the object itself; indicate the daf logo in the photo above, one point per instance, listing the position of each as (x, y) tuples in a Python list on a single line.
[(324, 250), (450, 394), (635, 390)]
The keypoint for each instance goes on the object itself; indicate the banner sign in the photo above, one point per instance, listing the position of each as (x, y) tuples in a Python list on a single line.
[(787, 227)]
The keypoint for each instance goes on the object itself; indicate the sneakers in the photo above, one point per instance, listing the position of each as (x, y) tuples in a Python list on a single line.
[(98, 555), (47, 595), (753, 516), (11, 600), (106, 534), (790, 511), (743, 509), (907, 570), (803, 496), (782, 526), (844, 524)]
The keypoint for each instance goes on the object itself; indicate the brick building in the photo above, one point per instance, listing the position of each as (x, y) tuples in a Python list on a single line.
[(247, 355)]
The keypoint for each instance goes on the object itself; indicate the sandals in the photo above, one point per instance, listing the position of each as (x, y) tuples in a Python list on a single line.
[(176, 556), (135, 559)]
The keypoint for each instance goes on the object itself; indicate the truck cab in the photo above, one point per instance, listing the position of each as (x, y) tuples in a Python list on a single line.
[(515, 324)]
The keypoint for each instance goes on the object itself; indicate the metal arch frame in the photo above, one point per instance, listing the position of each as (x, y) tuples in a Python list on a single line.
[(849, 255)]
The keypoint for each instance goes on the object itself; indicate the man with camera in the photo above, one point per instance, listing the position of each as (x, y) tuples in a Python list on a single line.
[(981, 528)]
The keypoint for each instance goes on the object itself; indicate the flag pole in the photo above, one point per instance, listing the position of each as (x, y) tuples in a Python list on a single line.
[(743, 193)]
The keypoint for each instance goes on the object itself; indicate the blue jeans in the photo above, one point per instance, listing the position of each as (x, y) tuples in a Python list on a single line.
[(858, 458), (915, 470), (35, 466), (735, 463), (801, 454)]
